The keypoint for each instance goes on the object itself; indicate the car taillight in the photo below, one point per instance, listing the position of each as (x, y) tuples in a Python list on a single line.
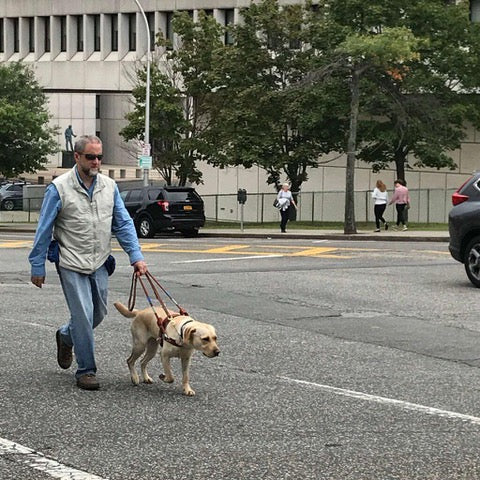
[(458, 198), (164, 204)]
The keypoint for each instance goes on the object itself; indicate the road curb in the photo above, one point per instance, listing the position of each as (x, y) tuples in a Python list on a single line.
[(204, 233), (356, 237)]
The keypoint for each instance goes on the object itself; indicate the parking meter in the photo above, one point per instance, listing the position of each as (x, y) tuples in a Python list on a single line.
[(241, 196)]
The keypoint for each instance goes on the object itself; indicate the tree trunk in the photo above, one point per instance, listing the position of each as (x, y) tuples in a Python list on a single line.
[(349, 225), (400, 160)]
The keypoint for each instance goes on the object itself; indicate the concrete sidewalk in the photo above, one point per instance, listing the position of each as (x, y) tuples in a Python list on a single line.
[(410, 235)]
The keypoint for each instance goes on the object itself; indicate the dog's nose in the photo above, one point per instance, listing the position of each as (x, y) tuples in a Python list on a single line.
[(216, 353)]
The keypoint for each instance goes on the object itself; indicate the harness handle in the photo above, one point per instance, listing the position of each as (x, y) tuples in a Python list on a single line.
[(151, 278), (162, 324)]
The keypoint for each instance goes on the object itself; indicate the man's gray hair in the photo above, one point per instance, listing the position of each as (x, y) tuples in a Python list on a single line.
[(84, 140)]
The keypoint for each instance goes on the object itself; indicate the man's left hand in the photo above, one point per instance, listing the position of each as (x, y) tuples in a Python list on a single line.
[(140, 268)]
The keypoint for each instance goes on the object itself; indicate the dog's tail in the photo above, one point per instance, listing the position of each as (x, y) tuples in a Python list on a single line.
[(124, 310)]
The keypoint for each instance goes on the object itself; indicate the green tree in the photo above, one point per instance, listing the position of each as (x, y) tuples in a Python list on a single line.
[(257, 117), (356, 44), (26, 138), (180, 92), (425, 103), (200, 48), (167, 125)]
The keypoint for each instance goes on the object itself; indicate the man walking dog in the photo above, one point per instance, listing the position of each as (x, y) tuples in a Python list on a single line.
[(81, 209)]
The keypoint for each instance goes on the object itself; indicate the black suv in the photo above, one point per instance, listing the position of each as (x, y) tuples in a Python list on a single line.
[(11, 196), (464, 227), (156, 209)]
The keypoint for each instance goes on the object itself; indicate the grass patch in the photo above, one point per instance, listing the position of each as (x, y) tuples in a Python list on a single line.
[(431, 227)]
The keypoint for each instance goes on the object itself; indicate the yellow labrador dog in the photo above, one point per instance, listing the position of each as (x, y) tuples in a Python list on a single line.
[(189, 335)]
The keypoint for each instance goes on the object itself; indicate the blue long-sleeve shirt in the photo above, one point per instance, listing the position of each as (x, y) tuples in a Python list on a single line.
[(122, 228)]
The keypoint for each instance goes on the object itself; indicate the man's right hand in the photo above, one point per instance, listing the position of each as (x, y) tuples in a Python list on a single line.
[(38, 281)]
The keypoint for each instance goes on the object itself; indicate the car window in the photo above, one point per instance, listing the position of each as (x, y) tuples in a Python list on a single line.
[(123, 194), (182, 196), (135, 196), (17, 188), (155, 194)]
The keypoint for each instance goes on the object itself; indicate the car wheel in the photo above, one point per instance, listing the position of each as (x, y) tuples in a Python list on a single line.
[(8, 205), (472, 261), (191, 232), (145, 228)]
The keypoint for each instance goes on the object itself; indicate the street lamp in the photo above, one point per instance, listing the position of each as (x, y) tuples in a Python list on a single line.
[(475, 11), (146, 149)]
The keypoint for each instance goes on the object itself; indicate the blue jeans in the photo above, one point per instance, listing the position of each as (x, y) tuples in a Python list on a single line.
[(86, 297)]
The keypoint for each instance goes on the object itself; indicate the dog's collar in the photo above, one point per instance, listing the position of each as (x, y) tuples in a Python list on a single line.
[(176, 343), (182, 327)]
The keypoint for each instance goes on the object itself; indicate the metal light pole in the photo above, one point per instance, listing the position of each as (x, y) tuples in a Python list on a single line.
[(147, 96)]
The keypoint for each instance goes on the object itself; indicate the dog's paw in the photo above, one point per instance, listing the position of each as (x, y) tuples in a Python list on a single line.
[(148, 380), (188, 391), (165, 379), (135, 380)]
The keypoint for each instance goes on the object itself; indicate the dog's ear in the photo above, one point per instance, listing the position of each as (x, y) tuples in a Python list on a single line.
[(188, 336)]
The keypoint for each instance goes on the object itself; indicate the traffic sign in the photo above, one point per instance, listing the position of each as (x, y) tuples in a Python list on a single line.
[(145, 161), (146, 149)]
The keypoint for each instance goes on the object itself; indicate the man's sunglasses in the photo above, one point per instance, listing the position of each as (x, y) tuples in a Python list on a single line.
[(92, 156)]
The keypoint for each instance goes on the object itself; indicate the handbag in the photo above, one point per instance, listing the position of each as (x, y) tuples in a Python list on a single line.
[(280, 203)]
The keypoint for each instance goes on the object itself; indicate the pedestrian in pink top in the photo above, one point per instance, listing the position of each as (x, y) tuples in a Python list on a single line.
[(401, 199)]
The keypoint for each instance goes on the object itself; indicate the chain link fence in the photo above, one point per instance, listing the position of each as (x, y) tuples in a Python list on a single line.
[(427, 206)]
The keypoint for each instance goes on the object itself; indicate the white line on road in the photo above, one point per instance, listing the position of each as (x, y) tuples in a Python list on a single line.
[(227, 259), (387, 401), (36, 460)]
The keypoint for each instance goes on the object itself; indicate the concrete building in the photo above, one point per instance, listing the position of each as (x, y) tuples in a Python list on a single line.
[(84, 55)]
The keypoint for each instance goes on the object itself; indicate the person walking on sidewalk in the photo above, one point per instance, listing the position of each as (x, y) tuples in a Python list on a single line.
[(285, 199), (380, 197), (81, 209), (401, 199)]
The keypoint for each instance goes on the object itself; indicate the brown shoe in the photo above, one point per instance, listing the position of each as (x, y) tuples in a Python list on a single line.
[(64, 352), (88, 382)]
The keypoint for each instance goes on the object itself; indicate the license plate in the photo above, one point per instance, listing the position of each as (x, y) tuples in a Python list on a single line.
[(187, 207)]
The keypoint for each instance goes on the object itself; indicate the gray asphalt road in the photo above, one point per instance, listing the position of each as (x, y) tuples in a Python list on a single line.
[(340, 360)]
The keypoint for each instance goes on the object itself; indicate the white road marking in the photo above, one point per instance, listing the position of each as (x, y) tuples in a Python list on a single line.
[(38, 461), (227, 259), (386, 401)]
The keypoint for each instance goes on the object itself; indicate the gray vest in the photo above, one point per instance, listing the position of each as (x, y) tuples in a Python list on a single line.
[(83, 227)]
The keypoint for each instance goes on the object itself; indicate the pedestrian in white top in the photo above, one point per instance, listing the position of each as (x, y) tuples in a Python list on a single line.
[(285, 198), (380, 196)]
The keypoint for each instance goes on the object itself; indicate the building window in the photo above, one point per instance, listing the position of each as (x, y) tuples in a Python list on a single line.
[(169, 32), (63, 34), (2, 41), (46, 33), (132, 32), (209, 12), (31, 34), (80, 33), (16, 44), (229, 19), (96, 33), (151, 28), (97, 107), (114, 28)]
